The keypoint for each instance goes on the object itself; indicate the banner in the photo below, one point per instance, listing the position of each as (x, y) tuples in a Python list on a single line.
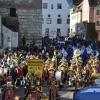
[(0, 33), (35, 66)]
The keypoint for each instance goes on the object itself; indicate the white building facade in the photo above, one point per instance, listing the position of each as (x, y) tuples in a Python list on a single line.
[(75, 18), (56, 18), (0, 33)]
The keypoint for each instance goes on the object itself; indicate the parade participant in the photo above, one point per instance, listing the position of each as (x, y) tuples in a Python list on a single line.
[(39, 92), (53, 91), (45, 73), (79, 64), (9, 95), (97, 65), (16, 98), (51, 72), (64, 68), (20, 75), (54, 60), (58, 76), (28, 85), (71, 74), (94, 70)]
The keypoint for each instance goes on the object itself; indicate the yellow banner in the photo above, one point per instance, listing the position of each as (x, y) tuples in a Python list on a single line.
[(35, 67), (34, 62)]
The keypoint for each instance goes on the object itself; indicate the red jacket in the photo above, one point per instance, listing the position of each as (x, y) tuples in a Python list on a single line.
[(20, 72)]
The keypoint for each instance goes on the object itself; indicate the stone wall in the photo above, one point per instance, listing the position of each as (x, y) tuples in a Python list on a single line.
[(0, 33), (29, 13), (30, 24), (37, 4)]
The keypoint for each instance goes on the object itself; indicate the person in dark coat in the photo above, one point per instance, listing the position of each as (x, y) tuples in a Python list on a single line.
[(53, 91)]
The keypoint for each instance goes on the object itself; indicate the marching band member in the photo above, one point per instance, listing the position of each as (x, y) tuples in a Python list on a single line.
[(94, 70), (53, 91), (9, 95), (16, 98), (45, 73), (45, 70), (39, 93), (51, 72), (63, 67), (98, 65)]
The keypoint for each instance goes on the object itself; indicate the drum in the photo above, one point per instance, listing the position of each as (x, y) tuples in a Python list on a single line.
[(58, 75)]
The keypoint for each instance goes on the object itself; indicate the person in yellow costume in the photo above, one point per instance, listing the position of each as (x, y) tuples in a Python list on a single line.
[(70, 73), (63, 67), (51, 72), (79, 65), (94, 70), (97, 61), (48, 61), (54, 60), (45, 75)]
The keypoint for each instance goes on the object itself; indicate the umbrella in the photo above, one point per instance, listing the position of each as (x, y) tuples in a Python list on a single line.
[(91, 93)]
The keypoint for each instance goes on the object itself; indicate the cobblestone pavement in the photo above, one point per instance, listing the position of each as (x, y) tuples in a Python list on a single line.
[(65, 93)]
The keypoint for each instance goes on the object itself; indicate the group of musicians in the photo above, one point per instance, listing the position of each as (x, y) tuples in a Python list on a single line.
[(57, 74)]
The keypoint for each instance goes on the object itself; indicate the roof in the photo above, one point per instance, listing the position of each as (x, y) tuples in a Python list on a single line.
[(77, 2), (36, 4), (92, 3)]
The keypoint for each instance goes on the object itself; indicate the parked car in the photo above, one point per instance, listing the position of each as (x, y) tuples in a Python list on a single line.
[(89, 93)]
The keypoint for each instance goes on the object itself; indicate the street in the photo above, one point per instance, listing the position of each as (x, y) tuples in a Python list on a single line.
[(66, 93)]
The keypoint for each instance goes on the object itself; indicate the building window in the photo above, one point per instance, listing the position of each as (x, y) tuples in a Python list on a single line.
[(59, 6), (59, 15), (13, 12), (98, 12), (42, 20), (68, 30), (45, 5), (58, 30), (51, 6), (98, 23), (49, 20), (68, 16), (68, 21), (46, 31), (59, 21), (49, 15)]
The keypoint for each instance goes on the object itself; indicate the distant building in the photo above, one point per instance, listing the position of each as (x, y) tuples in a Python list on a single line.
[(77, 2), (0, 34), (75, 18), (86, 15), (97, 19), (24, 17), (56, 17)]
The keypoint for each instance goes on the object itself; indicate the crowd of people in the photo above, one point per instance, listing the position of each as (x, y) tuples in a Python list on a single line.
[(77, 63)]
